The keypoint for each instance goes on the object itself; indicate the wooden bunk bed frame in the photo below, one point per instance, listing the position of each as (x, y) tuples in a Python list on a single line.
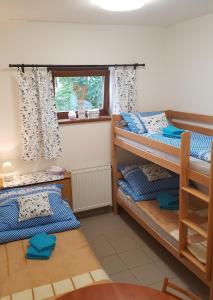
[(194, 122)]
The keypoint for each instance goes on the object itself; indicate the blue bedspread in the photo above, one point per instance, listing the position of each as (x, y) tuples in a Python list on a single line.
[(200, 144), (11, 229), (25, 233)]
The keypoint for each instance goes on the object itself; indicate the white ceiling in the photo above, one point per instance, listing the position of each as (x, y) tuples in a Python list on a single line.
[(157, 12)]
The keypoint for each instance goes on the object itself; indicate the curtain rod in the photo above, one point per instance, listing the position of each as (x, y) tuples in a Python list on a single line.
[(22, 66)]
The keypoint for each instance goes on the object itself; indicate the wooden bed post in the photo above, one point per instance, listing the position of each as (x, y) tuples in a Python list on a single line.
[(114, 168), (209, 264), (184, 182), (209, 260)]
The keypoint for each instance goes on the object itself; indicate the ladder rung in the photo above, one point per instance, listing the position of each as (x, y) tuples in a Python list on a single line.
[(196, 193), (195, 227), (191, 258)]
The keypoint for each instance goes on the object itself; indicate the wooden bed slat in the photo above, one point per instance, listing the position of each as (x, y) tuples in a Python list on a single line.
[(198, 177), (189, 116), (195, 227), (196, 193), (191, 258), (148, 142), (203, 130), (160, 161)]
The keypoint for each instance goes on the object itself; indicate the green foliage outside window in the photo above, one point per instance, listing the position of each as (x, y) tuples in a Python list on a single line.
[(65, 96)]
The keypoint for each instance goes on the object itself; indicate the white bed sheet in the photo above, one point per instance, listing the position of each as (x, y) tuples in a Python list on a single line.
[(195, 164)]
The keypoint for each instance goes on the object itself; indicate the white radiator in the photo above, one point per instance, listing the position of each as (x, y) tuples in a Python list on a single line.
[(91, 188)]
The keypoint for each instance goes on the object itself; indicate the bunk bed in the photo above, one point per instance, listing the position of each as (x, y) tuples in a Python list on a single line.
[(173, 230)]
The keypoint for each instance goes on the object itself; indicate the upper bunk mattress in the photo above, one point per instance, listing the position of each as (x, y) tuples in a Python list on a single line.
[(200, 144), (196, 164), (72, 265), (166, 223)]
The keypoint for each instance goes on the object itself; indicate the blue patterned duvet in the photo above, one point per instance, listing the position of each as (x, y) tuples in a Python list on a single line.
[(200, 144), (11, 229), (26, 233)]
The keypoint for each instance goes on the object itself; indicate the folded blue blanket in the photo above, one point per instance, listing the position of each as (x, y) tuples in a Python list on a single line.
[(32, 253), (43, 241), (41, 246), (168, 200), (172, 131)]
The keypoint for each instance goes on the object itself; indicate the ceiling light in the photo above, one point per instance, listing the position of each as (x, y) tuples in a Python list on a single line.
[(120, 5)]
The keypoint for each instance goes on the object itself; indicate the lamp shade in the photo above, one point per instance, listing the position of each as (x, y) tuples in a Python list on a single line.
[(7, 169)]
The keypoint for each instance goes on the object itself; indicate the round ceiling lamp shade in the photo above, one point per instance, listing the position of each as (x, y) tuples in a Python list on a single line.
[(120, 5)]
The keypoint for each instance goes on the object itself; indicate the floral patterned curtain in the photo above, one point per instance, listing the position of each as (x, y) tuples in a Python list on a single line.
[(123, 89), (39, 124)]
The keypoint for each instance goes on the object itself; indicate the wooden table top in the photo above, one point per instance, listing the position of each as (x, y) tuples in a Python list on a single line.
[(116, 291)]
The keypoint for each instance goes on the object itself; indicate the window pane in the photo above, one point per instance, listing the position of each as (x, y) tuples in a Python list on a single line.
[(66, 97)]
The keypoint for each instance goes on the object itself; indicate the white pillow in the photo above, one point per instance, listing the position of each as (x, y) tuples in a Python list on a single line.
[(154, 172), (34, 205), (155, 123)]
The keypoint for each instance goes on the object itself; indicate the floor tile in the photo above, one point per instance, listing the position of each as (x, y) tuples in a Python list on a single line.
[(148, 274), (113, 264), (134, 258), (123, 243), (124, 277), (90, 234), (170, 269), (102, 248), (157, 285)]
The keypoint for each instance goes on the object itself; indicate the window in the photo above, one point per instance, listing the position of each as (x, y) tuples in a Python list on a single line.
[(96, 82)]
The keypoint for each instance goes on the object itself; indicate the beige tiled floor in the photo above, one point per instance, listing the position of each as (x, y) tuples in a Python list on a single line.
[(129, 254)]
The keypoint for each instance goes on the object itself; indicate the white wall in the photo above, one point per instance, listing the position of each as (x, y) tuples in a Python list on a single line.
[(85, 145), (189, 48)]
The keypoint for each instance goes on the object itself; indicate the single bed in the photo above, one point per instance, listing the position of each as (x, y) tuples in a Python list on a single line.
[(72, 264)]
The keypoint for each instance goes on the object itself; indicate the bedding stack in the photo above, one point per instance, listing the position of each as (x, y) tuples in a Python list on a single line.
[(145, 182), (25, 212)]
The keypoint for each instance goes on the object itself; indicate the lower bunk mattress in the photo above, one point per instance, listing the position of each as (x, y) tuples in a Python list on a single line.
[(166, 223), (71, 266)]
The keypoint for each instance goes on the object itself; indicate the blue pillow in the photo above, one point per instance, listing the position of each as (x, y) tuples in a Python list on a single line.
[(9, 208), (134, 124), (140, 115), (125, 187), (141, 185)]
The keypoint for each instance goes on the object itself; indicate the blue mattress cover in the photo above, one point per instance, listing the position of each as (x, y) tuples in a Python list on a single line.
[(200, 146)]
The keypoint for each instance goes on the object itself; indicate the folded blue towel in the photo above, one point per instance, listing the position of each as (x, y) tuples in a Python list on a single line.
[(32, 253), (43, 241), (172, 131), (168, 200)]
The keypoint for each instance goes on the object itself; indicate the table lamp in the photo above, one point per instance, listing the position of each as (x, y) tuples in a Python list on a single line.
[(8, 170)]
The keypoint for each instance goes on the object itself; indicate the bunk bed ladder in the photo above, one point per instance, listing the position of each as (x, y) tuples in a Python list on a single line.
[(184, 221)]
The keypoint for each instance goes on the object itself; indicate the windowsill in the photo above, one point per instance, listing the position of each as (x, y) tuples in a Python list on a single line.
[(86, 120)]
